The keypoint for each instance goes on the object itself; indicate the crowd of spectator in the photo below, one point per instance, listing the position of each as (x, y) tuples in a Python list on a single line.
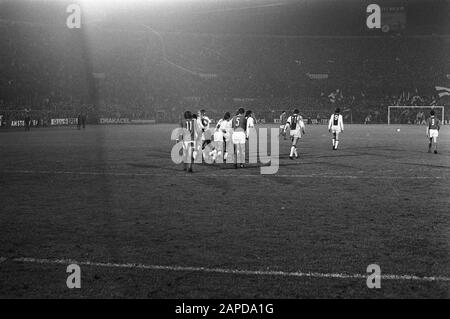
[(141, 74)]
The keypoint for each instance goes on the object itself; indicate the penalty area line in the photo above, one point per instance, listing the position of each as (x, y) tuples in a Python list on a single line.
[(297, 274), (180, 174)]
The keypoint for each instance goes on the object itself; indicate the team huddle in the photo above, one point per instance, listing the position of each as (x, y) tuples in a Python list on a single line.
[(228, 132), (231, 133)]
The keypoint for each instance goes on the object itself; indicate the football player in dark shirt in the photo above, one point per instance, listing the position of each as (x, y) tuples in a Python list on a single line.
[(239, 125), (79, 120), (27, 120), (433, 127)]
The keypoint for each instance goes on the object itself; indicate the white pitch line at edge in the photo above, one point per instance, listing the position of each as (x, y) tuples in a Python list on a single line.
[(298, 274)]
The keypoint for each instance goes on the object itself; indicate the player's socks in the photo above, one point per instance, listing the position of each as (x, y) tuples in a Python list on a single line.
[(292, 151), (336, 145), (295, 152)]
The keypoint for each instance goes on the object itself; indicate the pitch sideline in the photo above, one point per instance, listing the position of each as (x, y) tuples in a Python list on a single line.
[(298, 274)]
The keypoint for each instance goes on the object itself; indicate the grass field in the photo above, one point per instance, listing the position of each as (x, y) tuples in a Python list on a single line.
[(111, 196)]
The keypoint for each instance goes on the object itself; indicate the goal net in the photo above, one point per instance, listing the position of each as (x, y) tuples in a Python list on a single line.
[(413, 114)]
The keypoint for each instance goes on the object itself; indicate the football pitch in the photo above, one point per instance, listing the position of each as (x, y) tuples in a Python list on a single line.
[(111, 200)]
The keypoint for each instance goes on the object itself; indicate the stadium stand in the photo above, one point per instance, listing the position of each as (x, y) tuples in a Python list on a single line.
[(57, 71)]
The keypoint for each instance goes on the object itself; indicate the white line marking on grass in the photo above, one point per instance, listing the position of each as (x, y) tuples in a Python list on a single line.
[(230, 271), (204, 174)]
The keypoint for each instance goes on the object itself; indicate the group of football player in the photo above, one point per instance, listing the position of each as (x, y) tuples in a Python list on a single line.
[(229, 129), (236, 130)]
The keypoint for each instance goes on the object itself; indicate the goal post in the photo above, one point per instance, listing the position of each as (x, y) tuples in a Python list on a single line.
[(408, 114)]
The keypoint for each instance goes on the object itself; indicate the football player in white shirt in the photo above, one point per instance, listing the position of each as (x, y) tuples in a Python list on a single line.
[(222, 135), (336, 126), (250, 122), (203, 123), (297, 129)]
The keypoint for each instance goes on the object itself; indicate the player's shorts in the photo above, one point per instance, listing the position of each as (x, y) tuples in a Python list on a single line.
[(218, 136), (188, 144), (434, 133), (335, 129), (295, 133), (251, 131), (238, 137)]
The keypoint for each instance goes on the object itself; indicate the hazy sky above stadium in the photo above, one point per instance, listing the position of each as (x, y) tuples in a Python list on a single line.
[(286, 17)]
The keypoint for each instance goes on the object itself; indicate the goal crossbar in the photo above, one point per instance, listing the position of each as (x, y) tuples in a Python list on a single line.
[(415, 107)]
